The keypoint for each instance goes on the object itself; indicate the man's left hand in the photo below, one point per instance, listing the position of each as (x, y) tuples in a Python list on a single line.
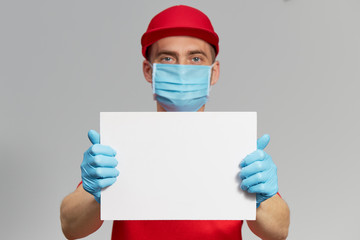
[(259, 173)]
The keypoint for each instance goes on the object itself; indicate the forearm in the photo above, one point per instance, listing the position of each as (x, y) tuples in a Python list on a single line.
[(272, 219), (79, 214)]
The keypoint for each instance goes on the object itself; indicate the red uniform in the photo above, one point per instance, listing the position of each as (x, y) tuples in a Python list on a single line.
[(177, 229)]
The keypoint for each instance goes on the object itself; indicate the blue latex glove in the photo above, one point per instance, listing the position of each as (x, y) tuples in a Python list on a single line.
[(98, 167), (259, 173)]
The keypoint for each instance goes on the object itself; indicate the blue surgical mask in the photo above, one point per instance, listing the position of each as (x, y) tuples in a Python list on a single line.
[(181, 88)]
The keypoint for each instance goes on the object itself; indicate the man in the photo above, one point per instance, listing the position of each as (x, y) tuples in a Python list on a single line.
[(180, 49)]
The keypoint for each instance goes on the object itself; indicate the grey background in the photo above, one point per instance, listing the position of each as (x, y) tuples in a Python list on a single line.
[(297, 63)]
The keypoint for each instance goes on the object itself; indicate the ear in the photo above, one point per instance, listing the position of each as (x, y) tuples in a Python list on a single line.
[(147, 70), (215, 73)]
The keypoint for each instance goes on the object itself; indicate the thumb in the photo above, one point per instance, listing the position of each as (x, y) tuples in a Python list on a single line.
[(94, 137), (263, 141)]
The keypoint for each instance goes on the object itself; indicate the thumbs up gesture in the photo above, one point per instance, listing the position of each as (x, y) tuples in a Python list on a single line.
[(259, 173), (98, 166)]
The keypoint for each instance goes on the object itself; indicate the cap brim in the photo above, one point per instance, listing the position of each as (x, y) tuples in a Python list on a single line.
[(152, 36)]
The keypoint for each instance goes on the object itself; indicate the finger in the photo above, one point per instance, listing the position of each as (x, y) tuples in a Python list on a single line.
[(253, 180), (99, 149), (263, 142), (94, 137), (104, 161), (102, 173), (103, 183), (266, 189), (257, 155), (252, 169), (259, 188)]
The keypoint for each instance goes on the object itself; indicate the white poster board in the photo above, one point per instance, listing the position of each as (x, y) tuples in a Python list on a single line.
[(178, 165)]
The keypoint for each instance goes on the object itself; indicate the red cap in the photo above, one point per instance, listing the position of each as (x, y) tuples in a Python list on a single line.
[(180, 21)]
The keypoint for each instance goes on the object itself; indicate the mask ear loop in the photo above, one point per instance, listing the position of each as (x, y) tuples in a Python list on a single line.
[(153, 66), (210, 75)]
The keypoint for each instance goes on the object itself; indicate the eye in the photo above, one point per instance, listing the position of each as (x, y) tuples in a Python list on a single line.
[(196, 59), (166, 59)]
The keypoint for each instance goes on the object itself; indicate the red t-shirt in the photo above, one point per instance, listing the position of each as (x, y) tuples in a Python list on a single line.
[(177, 229)]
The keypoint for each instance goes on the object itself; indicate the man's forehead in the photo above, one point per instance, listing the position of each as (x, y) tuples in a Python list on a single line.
[(180, 44)]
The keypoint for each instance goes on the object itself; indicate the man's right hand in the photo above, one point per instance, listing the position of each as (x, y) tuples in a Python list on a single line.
[(98, 166)]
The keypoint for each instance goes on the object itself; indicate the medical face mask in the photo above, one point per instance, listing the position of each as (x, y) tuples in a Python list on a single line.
[(181, 88)]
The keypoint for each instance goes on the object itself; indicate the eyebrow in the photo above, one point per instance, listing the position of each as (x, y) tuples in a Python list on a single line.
[(197, 52), (165, 52), (174, 54)]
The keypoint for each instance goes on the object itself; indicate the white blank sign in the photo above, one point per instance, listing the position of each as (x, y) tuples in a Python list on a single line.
[(178, 165)]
